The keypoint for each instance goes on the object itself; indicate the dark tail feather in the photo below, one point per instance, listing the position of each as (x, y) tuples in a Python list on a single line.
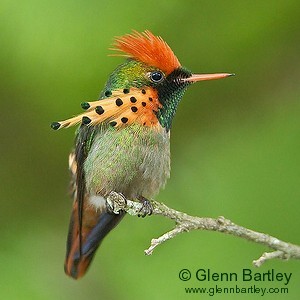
[(95, 226)]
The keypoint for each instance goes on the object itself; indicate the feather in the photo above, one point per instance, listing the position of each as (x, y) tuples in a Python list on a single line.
[(149, 49), (85, 237), (121, 109)]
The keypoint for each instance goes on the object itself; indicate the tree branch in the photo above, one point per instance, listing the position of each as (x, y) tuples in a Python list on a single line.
[(183, 222)]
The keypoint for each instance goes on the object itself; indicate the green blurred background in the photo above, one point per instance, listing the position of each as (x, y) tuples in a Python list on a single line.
[(235, 142)]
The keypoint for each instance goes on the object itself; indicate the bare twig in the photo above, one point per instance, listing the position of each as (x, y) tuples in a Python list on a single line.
[(183, 222), (270, 255)]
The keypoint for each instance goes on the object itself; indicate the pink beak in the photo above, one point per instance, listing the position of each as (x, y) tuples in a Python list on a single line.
[(201, 77)]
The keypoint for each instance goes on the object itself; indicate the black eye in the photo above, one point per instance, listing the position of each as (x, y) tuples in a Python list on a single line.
[(156, 76)]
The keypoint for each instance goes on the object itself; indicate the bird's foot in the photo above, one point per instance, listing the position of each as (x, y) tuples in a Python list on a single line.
[(115, 202), (146, 209)]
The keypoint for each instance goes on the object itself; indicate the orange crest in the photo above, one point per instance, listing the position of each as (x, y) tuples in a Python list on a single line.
[(149, 49)]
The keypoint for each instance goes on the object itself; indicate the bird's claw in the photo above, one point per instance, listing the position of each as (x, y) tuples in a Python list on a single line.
[(146, 208)]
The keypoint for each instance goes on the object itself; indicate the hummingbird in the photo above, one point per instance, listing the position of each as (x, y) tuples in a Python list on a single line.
[(123, 141)]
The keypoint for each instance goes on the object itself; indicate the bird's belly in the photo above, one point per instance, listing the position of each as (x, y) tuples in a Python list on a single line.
[(134, 161)]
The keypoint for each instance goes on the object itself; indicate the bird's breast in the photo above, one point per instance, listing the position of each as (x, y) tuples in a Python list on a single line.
[(134, 160)]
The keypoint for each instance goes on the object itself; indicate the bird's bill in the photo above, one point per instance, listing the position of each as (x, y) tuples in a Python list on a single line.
[(202, 77)]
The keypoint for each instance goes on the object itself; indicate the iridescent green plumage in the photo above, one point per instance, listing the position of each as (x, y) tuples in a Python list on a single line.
[(133, 161)]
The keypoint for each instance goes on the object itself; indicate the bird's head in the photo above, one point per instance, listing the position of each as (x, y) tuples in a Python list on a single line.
[(145, 89)]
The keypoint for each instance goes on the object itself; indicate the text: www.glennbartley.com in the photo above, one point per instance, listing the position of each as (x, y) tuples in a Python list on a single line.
[(216, 290)]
